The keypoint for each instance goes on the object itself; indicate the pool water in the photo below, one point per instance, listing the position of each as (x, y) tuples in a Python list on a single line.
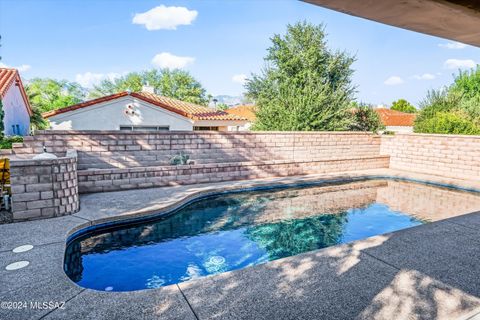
[(234, 231)]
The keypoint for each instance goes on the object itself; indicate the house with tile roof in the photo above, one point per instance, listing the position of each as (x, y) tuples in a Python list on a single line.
[(396, 121), (16, 107), (244, 111), (141, 111)]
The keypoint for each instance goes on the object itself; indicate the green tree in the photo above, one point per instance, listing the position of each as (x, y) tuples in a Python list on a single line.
[(435, 101), (132, 81), (455, 109), (466, 88), (178, 84), (403, 105), (305, 86), (365, 118), (49, 94), (222, 106), (37, 122), (467, 83)]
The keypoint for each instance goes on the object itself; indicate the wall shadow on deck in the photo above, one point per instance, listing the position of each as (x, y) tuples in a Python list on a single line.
[(426, 272)]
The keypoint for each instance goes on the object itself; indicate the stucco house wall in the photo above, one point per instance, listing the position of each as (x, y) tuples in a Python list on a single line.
[(16, 118), (240, 128), (400, 129), (111, 115)]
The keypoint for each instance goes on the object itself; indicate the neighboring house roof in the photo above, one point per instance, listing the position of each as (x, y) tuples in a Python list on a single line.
[(186, 109), (9, 77), (244, 111), (396, 118)]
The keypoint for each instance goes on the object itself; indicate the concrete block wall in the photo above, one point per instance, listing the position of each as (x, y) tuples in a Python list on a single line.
[(100, 180), (451, 156), (44, 188), (114, 149)]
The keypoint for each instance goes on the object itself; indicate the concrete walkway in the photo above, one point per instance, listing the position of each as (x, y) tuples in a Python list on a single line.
[(427, 272)]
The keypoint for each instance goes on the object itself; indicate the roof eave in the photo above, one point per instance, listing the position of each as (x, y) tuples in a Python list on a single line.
[(85, 104), (17, 81)]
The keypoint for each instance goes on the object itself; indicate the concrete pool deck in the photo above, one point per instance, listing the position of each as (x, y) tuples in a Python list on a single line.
[(427, 272)]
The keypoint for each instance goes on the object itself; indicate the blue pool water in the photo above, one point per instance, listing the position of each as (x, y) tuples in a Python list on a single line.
[(229, 232)]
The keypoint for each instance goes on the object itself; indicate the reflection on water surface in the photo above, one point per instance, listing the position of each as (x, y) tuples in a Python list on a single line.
[(234, 231)]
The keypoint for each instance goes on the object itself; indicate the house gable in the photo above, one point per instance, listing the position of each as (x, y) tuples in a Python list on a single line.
[(9, 79), (121, 111), (16, 108)]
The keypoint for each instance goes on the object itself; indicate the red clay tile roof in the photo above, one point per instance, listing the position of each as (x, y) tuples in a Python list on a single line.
[(9, 77), (396, 118), (244, 111), (186, 109)]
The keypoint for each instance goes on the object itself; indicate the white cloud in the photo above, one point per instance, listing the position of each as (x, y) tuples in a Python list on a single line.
[(453, 45), (23, 67), (393, 81), (459, 64), (20, 68), (163, 17), (425, 76), (170, 61), (89, 79), (239, 78)]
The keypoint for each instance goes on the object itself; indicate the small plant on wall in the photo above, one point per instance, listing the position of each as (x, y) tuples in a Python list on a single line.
[(180, 159)]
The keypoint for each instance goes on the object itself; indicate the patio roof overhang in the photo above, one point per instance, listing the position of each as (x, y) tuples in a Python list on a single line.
[(457, 20)]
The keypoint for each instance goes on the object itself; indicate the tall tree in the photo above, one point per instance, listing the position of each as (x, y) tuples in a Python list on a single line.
[(178, 84), (49, 94), (403, 105), (304, 86), (455, 109), (466, 86)]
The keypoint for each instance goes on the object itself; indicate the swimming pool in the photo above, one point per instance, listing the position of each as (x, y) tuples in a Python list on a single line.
[(233, 231)]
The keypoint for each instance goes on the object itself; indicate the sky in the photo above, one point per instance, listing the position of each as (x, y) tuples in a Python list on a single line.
[(221, 43)]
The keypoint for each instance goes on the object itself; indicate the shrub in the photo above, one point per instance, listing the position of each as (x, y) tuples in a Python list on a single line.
[(365, 118), (6, 142), (455, 109), (448, 123), (179, 159)]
